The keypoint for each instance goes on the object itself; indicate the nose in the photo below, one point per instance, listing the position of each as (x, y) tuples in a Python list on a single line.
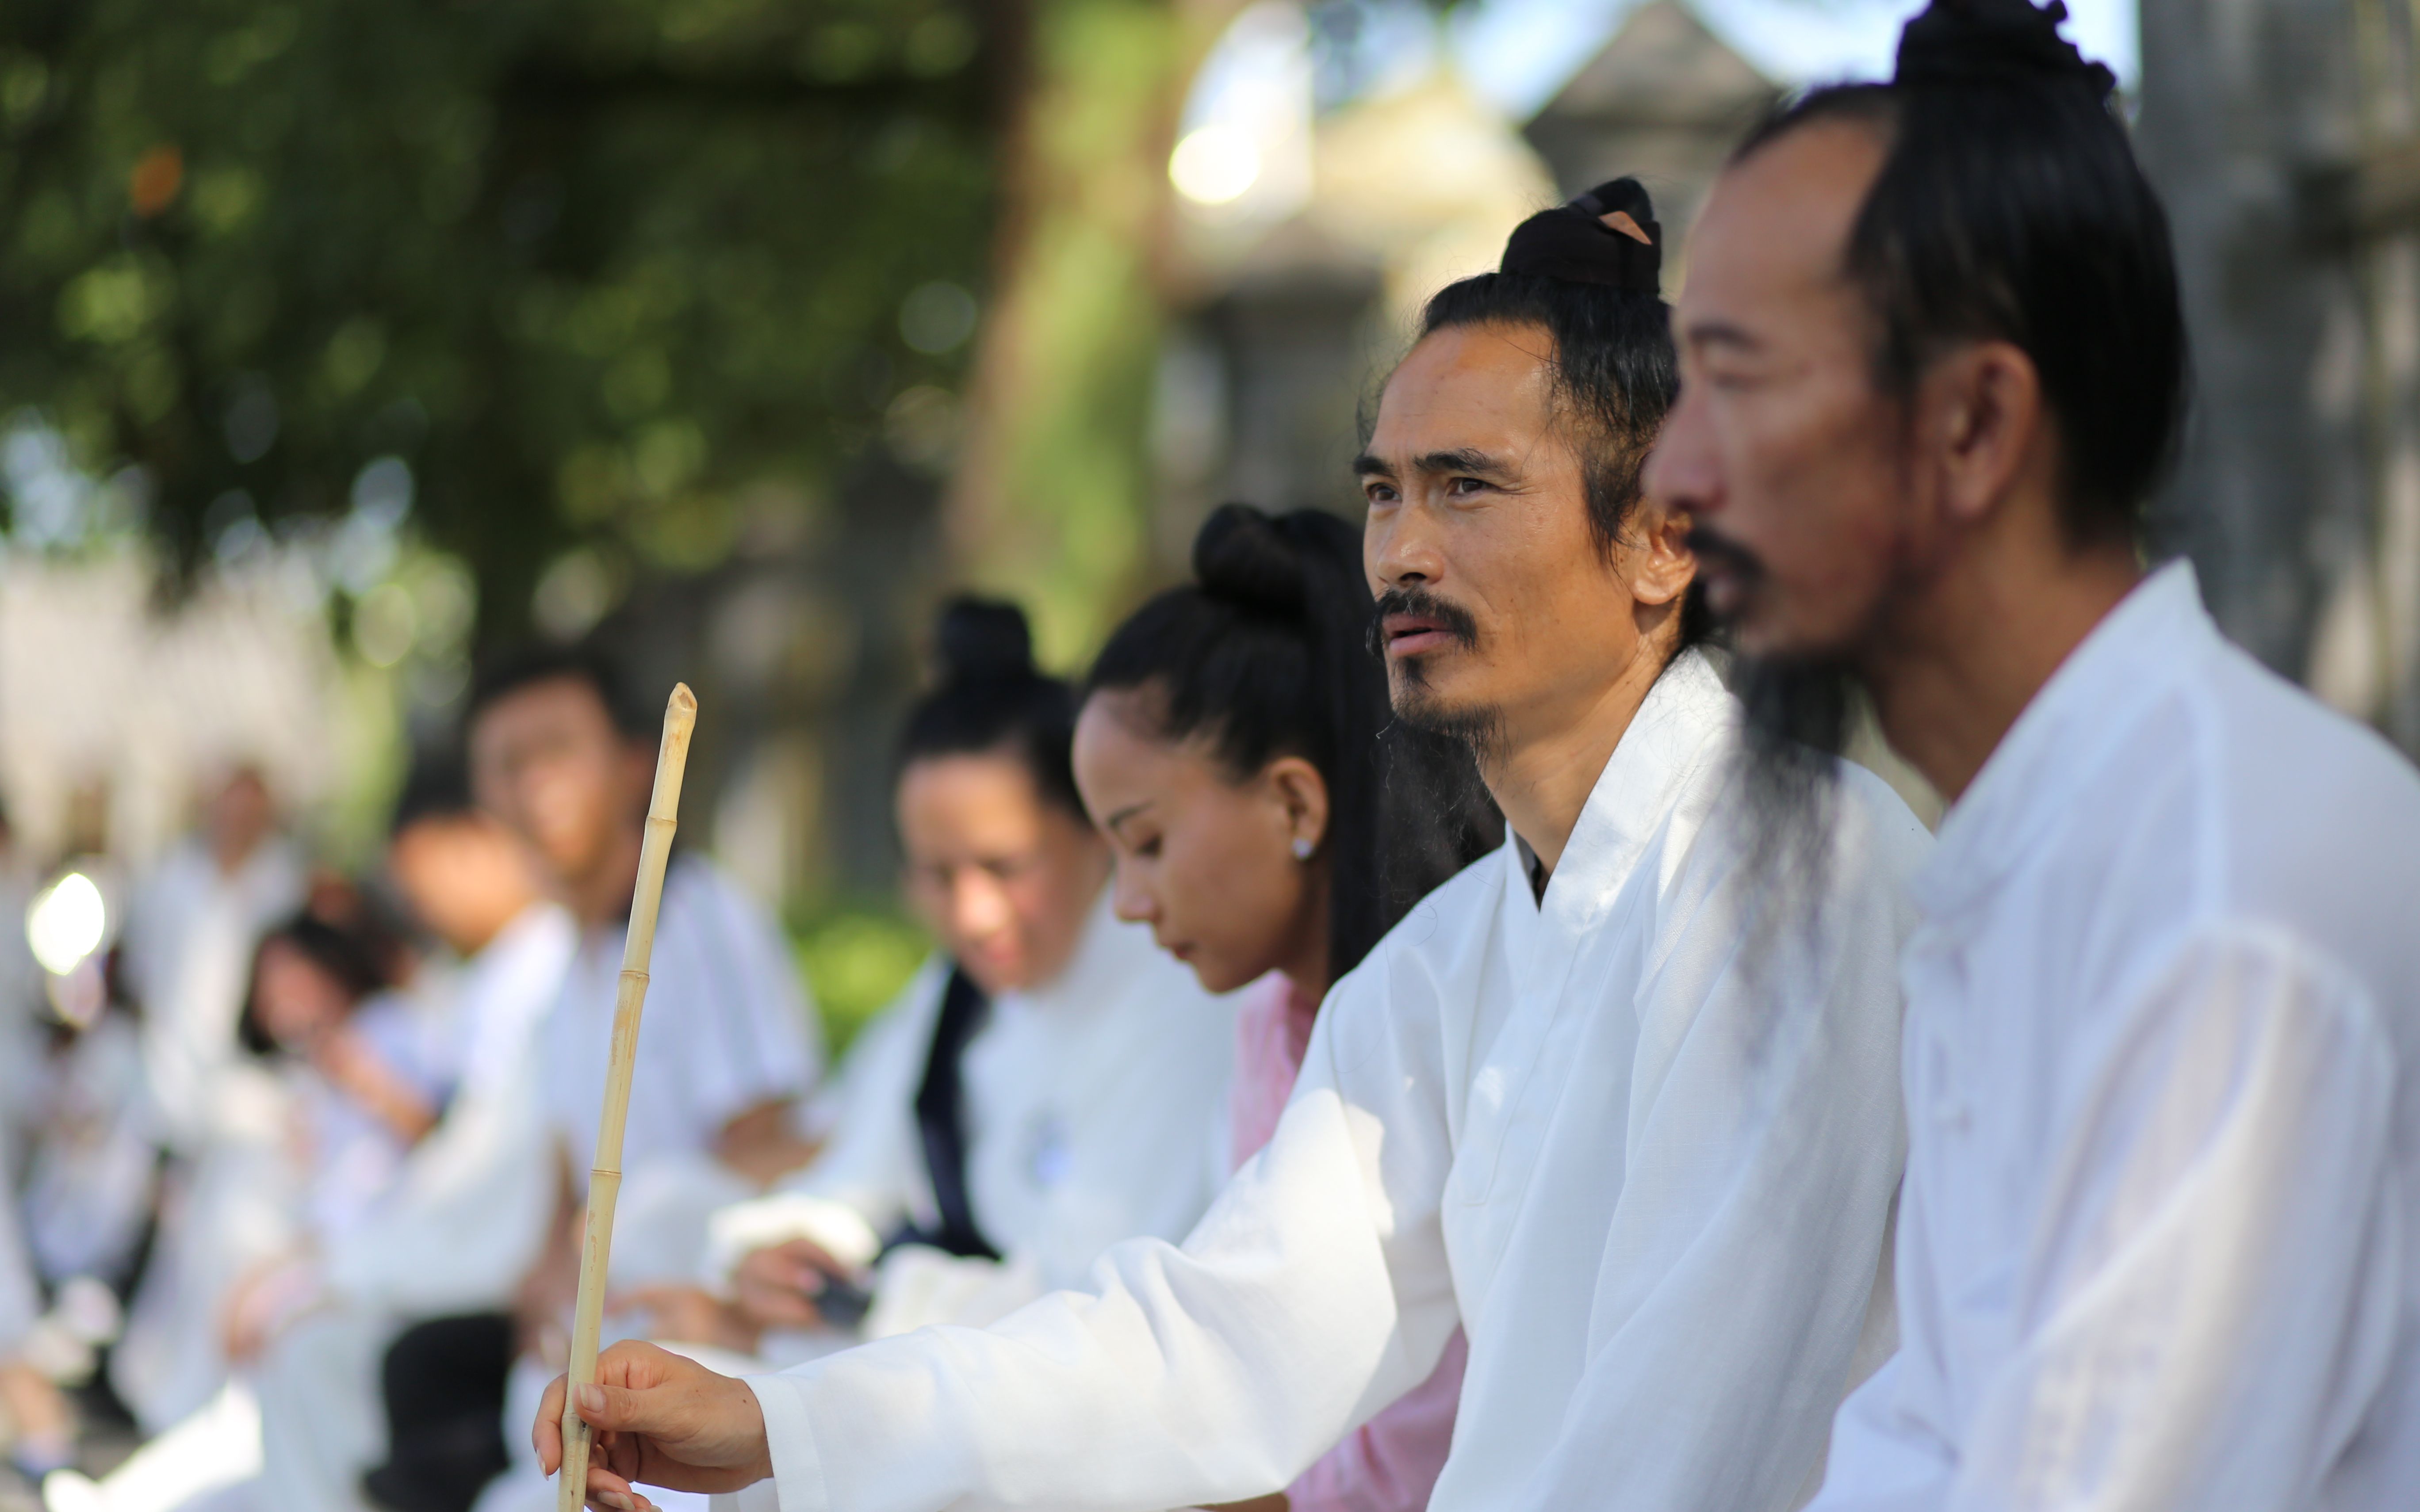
[(1129, 900), (978, 908), (1681, 473), (1400, 549)]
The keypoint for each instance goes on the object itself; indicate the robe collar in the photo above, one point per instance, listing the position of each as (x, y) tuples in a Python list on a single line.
[(1679, 727), (2074, 721)]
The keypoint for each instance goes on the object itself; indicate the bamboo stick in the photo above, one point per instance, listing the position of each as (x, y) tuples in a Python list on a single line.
[(605, 1176)]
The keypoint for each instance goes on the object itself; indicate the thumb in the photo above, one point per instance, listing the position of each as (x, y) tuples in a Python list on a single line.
[(613, 1407)]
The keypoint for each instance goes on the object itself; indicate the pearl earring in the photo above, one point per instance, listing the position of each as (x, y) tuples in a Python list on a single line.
[(1301, 848)]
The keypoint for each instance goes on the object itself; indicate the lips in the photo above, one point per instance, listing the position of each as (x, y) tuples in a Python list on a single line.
[(1411, 635)]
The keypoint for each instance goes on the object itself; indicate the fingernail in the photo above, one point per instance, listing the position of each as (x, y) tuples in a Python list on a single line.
[(592, 1399), (615, 1499)]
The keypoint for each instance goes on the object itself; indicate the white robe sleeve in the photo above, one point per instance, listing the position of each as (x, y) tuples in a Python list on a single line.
[(1314, 1292), (2207, 1306)]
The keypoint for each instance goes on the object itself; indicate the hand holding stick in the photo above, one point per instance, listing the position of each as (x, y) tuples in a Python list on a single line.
[(605, 1177)]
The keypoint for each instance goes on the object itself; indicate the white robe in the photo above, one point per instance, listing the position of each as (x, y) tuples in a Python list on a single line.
[(2159, 1245), (1650, 1184), (728, 1027), (1090, 1103)]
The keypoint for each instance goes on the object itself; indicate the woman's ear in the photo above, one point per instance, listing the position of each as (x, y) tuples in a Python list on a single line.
[(1302, 791), (1662, 565)]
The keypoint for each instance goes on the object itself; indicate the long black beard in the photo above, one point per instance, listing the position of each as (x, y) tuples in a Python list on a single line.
[(1478, 729), (1798, 718)]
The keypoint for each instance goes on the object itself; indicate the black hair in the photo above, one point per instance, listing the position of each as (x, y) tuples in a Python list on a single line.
[(529, 665), (2009, 208), (436, 786), (356, 953), (1268, 654), (1594, 292), (989, 697)]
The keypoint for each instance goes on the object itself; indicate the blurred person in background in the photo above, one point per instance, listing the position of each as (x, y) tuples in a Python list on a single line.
[(25, 1009), (1043, 1088), (1620, 1102), (1269, 827), (359, 1073), (190, 935), (729, 1046), (37, 1428), (468, 1209), (191, 930)]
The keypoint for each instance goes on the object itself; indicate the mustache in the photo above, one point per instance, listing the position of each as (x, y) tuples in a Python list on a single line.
[(1714, 550), (1451, 617)]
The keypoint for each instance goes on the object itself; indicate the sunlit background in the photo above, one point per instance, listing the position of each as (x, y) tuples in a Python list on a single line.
[(349, 342)]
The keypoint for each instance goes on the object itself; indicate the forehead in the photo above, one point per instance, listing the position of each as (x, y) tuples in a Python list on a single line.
[(1466, 384), (553, 704), (1775, 232)]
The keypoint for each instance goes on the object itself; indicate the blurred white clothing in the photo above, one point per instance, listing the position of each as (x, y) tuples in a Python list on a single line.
[(21, 1297), (236, 1207), (2160, 1244), (24, 1012), (453, 1231), (93, 1177), (190, 936), (1087, 1103), (727, 1026), (469, 1211), (209, 1462), (1646, 1167)]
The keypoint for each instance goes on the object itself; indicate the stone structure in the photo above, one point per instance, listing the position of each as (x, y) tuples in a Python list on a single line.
[(2281, 133)]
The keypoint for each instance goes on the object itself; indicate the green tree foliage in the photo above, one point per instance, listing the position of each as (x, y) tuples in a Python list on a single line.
[(597, 270)]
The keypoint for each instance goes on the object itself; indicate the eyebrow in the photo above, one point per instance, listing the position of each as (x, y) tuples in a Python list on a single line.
[(1720, 334), (1460, 459)]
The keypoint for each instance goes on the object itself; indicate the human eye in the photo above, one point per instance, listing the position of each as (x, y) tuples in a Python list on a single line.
[(1465, 487), (1380, 494)]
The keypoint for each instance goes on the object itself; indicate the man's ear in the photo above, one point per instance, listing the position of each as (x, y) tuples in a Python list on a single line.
[(1982, 425), (1661, 564)]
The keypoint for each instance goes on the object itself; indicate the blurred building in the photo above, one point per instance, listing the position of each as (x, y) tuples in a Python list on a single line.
[(1296, 310), (117, 708), (1664, 102)]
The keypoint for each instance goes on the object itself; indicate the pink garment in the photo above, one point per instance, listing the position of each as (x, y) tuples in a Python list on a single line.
[(1389, 1463)]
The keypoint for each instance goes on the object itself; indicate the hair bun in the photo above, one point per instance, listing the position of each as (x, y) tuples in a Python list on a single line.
[(1967, 42), (1243, 556), (1608, 235), (982, 639)]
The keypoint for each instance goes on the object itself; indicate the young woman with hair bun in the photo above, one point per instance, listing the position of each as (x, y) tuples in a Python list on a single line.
[(1270, 822), (1039, 1090)]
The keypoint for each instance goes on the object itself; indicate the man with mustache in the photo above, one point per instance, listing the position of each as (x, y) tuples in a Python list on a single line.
[(2157, 1246), (1612, 1100)]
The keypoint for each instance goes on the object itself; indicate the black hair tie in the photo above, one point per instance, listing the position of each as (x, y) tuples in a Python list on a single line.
[(1589, 240)]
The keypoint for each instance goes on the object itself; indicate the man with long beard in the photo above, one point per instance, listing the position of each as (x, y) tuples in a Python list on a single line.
[(1611, 1100), (2156, 1246)]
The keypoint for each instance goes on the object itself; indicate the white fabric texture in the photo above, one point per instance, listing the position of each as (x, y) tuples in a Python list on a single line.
[(1086, 1103), (2158, 1244), (1649, 1179), (189, 941), (727, 1025)]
